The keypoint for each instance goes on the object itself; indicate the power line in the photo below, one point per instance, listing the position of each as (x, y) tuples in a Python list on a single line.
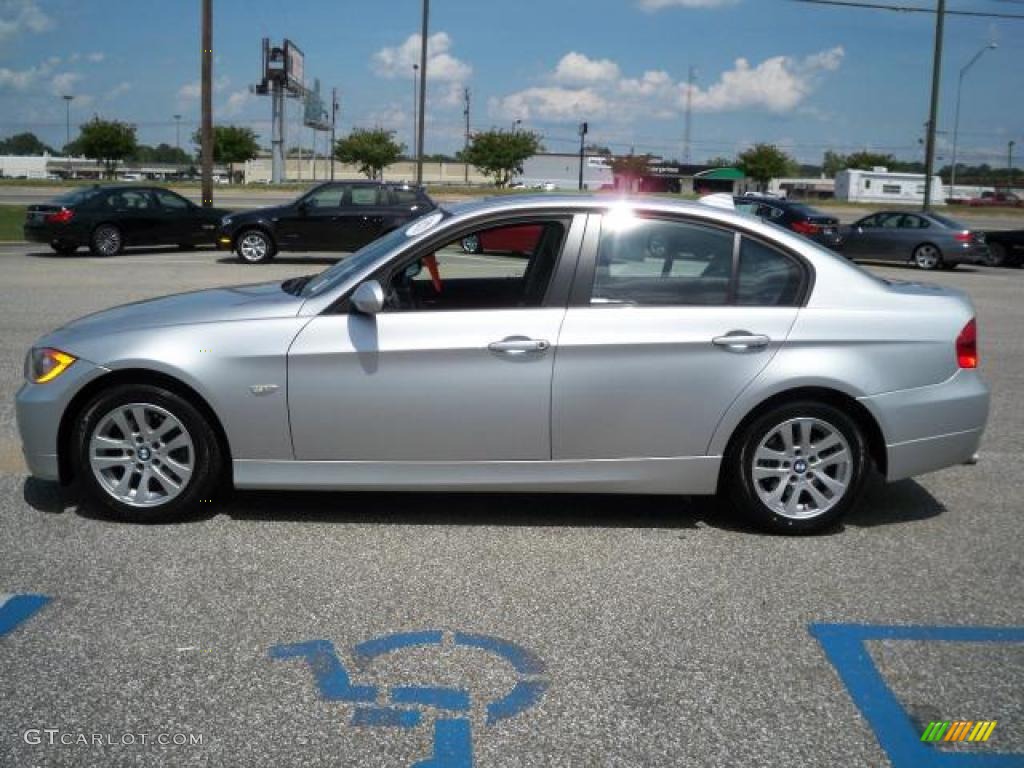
[(910, 9)]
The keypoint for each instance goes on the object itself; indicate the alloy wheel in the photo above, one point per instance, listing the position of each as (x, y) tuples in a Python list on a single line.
[(141, 454), (802, 468), (253, 247), (107, 240), (927, 257)]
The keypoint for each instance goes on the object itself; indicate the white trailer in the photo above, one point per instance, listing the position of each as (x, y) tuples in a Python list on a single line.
[(881, 186)]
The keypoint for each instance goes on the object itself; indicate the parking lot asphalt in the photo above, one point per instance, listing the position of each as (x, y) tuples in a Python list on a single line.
[(587, 631)]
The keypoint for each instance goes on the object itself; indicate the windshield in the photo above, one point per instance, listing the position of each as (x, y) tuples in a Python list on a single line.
[(335, 275), (77, 197)]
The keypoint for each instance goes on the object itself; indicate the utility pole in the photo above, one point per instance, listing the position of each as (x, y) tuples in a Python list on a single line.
[(177, 131), (689, 114), (334, 123), (583, 138), (423, 91), (1009, 165), (929, 155), (206, 130), (465, 143), (67, 102), (415, 102)]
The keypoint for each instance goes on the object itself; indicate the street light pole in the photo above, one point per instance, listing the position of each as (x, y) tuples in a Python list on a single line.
[(67, 101), (1009, 165), (415, 102), (334, 123), (423, 92), (583, 138), (206, 127), (929, 162), (177, 131), (956, 120)]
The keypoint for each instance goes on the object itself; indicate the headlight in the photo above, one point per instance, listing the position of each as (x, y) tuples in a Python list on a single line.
[(45, 364)]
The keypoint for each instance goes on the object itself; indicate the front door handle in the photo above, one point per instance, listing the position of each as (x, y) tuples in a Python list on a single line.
[(741, 341), (519, 345)]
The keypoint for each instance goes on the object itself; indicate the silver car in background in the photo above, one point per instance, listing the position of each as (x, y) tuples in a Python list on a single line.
[(927, 240), (641, 346)]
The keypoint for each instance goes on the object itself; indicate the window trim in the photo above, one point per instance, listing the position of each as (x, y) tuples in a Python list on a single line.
[(560, 282), (583, 284)]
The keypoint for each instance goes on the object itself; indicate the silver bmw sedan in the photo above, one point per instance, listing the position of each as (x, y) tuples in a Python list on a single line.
[(641, 346)]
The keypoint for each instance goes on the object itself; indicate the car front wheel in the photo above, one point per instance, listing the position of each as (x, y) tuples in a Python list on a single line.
[(797, 469), (145, 454), (255, 247), (106, 241), (927, 257)]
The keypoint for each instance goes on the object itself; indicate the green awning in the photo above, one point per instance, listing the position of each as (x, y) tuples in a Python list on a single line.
[(721, 174)]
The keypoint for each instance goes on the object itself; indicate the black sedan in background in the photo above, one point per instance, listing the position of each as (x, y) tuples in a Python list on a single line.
[(335, 216), (108, 218), (798, 217), (1006, 249)]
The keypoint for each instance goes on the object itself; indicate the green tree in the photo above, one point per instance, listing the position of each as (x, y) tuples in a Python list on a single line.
[(372, 150), (865, 161), (231, 143), (106, 142), (721, 162), (833, 163), (500, 154), (24, 144), (162, 153), (764, 162)]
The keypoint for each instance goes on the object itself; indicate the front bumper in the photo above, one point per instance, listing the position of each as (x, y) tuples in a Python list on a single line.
[(39, 409), (930, 428)]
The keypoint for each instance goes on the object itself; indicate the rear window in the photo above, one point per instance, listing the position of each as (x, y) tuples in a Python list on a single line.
[(805, 210), (405, 196), (77, 197), (946, 221)]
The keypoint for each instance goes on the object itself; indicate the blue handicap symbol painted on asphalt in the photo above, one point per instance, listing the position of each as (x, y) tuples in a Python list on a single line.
[(14, 609), (898, 735), (453, 742)]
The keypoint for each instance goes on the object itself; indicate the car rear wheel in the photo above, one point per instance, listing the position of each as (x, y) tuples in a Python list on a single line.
[(255, 247), (797, 469), (927, 256), (145, 455), (106, 240), (996, 255), (471, 244)]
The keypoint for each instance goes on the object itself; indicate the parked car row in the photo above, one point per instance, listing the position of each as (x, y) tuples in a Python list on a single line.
[(927, 240)]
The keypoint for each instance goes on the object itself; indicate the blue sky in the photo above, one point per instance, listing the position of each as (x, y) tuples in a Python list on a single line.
[(806, 77)]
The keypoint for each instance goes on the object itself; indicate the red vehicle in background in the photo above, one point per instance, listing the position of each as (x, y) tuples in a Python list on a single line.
[(1007, 199), (520, 239)]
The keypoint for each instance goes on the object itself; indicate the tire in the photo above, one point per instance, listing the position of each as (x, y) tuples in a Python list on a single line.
[(191, 457), (65, 250), (794, 510), (927, 257), (996, 255), (254, 246), (471, 244), (106, 240)]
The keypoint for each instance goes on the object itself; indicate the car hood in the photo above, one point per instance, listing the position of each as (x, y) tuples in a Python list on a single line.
[(245, 302), (256, 214)]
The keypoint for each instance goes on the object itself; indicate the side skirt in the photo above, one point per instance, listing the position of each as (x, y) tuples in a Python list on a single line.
[(691, 475)]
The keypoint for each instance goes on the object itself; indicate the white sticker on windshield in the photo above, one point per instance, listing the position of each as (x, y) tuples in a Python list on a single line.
[(422, 225)]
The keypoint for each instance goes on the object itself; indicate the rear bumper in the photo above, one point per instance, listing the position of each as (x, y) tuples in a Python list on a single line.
[(929, 428), (968, 254), (51, 235)]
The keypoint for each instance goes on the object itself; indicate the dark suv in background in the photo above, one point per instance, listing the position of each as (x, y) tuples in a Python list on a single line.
[(335, 216), (799, 217)]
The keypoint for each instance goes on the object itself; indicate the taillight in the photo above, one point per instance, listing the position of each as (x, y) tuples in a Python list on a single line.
[(63, 216), (963, 237), (967, 346), (805, 227)]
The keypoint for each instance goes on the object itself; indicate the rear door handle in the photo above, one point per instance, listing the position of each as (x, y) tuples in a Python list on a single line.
[(741, 341), (519, 345)]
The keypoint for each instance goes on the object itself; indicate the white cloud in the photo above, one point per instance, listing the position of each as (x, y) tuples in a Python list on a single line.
[(236, 102), (118, 90), (193, 90), (578, 68), (64, 82), (777, 84), (657, 5), (96, 57), (41, 74), (398, 61), (22, 16), (554, 104), (17, 79)]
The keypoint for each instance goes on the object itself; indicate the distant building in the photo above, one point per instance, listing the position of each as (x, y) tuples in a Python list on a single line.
[(562, 170), (808, 188), (881, 186), (23, 167)]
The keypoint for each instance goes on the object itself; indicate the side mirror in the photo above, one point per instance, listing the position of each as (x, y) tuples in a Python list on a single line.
[(368, 298)]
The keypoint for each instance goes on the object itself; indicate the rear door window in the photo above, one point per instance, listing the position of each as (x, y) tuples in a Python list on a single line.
[(767, 277)]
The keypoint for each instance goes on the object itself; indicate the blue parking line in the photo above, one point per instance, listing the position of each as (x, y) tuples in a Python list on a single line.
[(385, 717), (897, 734), (17, 608), (524, 662), (331, 677), (381, 645), (442, 698), (523, 695)]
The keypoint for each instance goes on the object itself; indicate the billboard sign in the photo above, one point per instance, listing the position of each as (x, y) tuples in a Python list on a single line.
[(294, 63)]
